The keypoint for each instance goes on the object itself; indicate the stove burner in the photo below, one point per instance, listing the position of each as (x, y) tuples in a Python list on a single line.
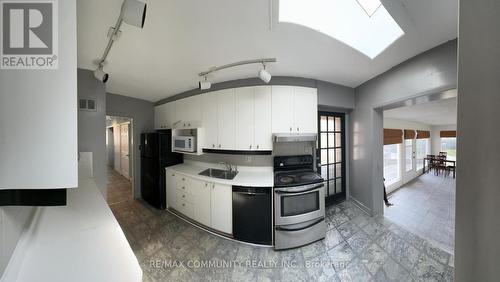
[(308, 177), (286, 179)]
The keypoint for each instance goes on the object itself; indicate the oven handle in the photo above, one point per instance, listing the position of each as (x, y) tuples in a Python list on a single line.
[(298, 191), (301, 228)]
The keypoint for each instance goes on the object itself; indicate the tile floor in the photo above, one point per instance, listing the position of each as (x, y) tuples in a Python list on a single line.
[(119, 188), (357, 248), (426, 207)]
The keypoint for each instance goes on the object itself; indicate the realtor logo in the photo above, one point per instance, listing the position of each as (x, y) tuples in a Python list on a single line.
[(28, 34)]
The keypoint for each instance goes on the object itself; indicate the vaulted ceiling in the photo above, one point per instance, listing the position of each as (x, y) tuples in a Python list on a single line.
[(184, 37)]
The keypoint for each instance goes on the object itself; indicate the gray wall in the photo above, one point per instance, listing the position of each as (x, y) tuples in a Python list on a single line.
[(477, 244), (92, 126), (329, 94), (142, 113), (430, 72)]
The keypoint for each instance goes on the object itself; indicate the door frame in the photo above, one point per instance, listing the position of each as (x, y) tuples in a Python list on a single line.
[(131, 148), (338, 197)]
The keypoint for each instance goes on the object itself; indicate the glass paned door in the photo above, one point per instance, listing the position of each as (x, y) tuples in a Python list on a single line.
[(331, 154)]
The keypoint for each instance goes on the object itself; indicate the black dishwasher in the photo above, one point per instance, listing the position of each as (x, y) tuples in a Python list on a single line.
[(252, 215)]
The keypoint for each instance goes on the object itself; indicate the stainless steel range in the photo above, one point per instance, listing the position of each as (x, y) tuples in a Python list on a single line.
[(299, 202)]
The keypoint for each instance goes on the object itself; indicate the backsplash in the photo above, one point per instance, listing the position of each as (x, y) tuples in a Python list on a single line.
[(250, 160), (279, 149), (12, 222)]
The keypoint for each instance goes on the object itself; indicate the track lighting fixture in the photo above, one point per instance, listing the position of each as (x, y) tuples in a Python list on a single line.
[(204, 84), (100, 74), (133, 12), (264, 75)]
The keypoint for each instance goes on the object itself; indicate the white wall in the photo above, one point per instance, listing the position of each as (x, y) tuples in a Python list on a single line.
[(29, 111), (436, 137), (477, 244), (393, 123)]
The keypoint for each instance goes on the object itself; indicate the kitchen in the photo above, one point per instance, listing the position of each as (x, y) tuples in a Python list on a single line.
[(252, 147)]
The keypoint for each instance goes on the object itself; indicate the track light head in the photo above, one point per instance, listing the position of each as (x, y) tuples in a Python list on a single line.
[(134, 12), (264, 75), (100, 75), (204, 84)]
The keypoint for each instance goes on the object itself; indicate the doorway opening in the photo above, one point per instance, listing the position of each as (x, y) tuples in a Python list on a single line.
[(120, 159), (419, 166), (331, 155)]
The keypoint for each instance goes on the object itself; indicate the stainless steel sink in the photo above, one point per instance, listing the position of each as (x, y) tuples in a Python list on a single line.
[(219, 173)]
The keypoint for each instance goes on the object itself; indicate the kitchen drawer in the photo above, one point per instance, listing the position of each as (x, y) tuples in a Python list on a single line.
[(184, 195), (186, 208), (185, 183)]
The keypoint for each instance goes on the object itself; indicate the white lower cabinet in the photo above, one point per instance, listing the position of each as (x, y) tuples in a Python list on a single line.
[(207, 203), (221, 198)]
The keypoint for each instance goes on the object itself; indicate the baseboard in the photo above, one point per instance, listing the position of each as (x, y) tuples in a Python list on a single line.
[(361, 206)]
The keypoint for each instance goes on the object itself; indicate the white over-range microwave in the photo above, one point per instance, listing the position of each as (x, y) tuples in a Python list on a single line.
[(184, 144)]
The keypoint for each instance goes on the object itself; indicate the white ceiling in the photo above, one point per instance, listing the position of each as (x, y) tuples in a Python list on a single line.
[(443, 112), (182, 38)]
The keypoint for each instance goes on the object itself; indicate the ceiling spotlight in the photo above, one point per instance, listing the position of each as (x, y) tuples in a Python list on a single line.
[(134, 12), (264, 75), (101, 75), (204, 85)]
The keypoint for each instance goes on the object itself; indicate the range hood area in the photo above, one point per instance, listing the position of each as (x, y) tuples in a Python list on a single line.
[(295, 137)]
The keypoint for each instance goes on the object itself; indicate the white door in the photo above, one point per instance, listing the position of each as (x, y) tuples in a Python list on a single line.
[(221, 198), (209, 120), (124, 150), (282, 109), (202, 202), (409, 165), (225, 118), (263, 118), (244, 118), (305, 110), (116, 147)]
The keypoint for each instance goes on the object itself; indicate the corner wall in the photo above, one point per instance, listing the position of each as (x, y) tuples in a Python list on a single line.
[(430, 72), (436, 136), (92, 126), (142, 113), (477, 244)]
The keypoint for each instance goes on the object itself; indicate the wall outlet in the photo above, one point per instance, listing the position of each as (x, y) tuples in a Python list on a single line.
[(248, 159)]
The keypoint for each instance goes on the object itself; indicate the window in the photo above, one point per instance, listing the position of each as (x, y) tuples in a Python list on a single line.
[(449, 145), (422, 151), (364, 25), (392, 163), (409, 154)]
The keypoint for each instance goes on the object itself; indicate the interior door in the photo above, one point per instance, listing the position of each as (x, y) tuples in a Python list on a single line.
[(124, 150), (331, 155), (410, 164)]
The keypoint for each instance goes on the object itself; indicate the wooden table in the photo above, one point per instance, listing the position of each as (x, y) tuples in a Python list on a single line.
[(446, 161)]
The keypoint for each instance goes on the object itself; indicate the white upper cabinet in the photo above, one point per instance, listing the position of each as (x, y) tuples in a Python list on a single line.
[(295, 109), (226, 119), (305, 110), (188, 114), (244, 118), (165, 115), (262, 118), (209, 120), (282, 109)]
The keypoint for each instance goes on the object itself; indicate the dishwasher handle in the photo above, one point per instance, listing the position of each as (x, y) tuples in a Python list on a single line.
[(252, 191)]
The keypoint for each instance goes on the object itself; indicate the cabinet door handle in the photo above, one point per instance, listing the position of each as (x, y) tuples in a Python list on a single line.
[(250, 146), (206, 184), (183, 205), (290, 128), (173, 174), (183, 179), (213, 145), (297, 128), (184, 196), (183, 187), (257, 146), (219, 145), (189, 124)]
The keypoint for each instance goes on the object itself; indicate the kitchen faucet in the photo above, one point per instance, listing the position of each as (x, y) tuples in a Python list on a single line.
[(229, 166)]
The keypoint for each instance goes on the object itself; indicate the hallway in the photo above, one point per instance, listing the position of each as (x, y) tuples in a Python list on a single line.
[(426, 207), (119, 188)]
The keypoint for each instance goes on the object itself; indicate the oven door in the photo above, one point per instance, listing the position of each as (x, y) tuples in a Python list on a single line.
[(299, 204)]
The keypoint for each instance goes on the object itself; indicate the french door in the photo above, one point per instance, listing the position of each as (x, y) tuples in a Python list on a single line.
[(331, 155), (410, 164)]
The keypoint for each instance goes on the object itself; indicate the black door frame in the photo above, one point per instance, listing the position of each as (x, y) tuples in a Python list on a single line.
[(341, 196)]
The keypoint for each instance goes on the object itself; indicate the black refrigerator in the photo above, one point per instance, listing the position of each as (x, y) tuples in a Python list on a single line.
[(156, 154)]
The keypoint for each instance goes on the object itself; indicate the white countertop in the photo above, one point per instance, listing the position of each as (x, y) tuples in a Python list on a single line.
[(79, 242), (247, 176)]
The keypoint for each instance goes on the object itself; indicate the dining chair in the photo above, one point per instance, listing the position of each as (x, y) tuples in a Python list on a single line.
[(440, 164), (430, 161)]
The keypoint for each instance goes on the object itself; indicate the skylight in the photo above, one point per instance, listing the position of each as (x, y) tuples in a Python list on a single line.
[(364, 25)]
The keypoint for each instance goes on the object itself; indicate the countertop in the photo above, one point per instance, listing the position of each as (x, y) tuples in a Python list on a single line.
[(247, 176), (79, 242)]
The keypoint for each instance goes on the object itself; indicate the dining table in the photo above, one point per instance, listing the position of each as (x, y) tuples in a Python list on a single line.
[(428, 160)]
